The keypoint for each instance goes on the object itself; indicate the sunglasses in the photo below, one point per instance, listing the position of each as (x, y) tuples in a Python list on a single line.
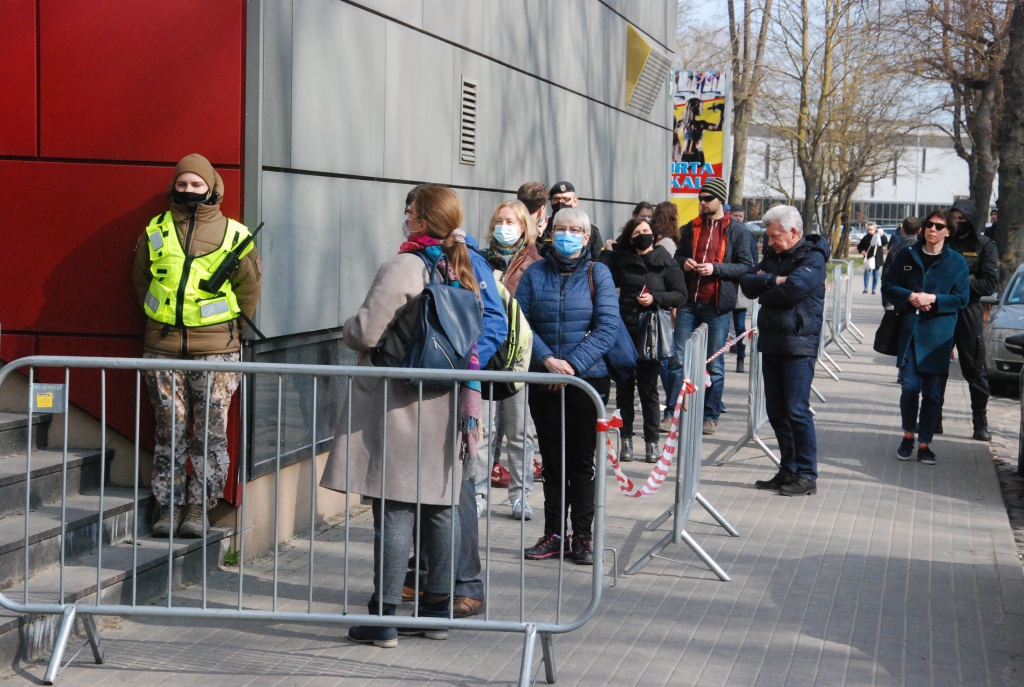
[(937, 225), (705, 199)]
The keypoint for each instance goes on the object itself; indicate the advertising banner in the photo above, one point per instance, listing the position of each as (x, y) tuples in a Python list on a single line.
[(700, 134)]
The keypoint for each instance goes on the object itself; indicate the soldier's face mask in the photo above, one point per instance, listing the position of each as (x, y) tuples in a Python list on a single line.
[(188, 198)]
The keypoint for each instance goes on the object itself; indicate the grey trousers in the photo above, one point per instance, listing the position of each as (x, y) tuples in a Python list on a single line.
[(397, 525), (512, 424)]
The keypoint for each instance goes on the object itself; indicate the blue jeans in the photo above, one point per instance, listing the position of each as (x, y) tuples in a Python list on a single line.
[(688, 318), (867, 273), (739, 323), (920, 387), (671, 379), (787, 392)]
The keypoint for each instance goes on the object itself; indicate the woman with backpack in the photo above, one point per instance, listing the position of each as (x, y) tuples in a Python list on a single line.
[(571, 305), (381, 331), (649, 279), (511, 249)]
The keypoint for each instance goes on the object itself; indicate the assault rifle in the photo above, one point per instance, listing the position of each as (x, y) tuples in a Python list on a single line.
[(224, 270)]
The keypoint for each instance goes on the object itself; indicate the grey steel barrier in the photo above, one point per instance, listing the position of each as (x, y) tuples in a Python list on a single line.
[(689, 455), (849, 325), (757, 413), (86, 612), (836, 320)]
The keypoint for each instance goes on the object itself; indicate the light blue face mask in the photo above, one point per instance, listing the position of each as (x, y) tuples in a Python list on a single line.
[(506, 234), (568, 244)]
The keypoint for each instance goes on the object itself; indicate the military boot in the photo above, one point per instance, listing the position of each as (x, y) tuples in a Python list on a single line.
[(981, 432)]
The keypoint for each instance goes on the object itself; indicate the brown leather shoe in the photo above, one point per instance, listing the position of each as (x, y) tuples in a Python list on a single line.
[(408, 593), (465, 606)]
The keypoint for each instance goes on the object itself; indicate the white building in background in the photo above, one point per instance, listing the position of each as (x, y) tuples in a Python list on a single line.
[(926, 173)]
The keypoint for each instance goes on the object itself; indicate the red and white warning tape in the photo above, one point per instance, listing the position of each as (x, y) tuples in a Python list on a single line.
[(661, 468)]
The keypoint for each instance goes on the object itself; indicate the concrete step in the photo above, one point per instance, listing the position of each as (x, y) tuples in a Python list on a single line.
[(30, 638), (14, 432), (82, 530), (46, 484)]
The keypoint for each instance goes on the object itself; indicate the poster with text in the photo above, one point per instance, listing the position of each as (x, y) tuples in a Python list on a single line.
[(700, 130)]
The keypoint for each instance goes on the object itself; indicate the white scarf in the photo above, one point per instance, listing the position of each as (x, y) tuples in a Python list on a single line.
[(876, 238)]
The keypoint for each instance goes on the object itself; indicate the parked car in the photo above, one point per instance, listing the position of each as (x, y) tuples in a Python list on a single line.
[(889, 231), (1005, 320), (856, 235)]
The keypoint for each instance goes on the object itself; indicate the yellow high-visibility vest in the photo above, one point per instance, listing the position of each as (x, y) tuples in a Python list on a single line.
[(174, 295)]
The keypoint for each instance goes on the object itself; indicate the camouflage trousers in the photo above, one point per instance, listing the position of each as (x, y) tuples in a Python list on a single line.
[(184, 395)]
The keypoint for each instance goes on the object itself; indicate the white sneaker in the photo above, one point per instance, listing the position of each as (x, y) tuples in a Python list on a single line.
[(521, 510)]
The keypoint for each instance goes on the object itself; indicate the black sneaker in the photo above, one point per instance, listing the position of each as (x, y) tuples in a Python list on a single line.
[(582, 550), (925, 455), (548, 546), (801, 486), (781, 478), (906, 449)]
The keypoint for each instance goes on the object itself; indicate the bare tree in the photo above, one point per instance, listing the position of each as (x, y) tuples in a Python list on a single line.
[(747, 59), (1010, 238), (962, 44)]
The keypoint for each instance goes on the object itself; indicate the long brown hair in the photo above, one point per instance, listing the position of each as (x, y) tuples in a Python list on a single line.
[(665, 222), (441, 210)]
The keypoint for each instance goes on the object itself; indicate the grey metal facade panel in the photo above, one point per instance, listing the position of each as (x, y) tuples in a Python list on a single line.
[(420, 106), (606, 58), (492, 107), (528, 131), (277, 81), (460, 21), (338, 93), (651, 17), (407, 11), (300, 254)]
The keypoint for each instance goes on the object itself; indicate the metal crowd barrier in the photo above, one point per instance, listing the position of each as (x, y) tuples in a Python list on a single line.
[(837, 315), (689, 454), (252, 605), (757, 413), (848, 321)]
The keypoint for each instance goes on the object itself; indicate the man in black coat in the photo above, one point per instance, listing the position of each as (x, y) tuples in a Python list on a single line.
[(714, 252), (563, 195), (983, 263), (790, 283)]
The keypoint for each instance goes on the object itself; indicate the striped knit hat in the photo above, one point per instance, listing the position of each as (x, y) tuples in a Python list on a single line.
[(717, 187)]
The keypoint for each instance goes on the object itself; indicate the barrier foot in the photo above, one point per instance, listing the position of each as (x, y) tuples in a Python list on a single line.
[(661, 519), (828, 370), (703, 555), (716, 515), (856, 332), (67, 622), (847, 342), (529, 643), (767, 451), (734, 450), (814, 413), (93, 634), (842, 347), (547, 646), (818, 393), (834, 363), (646, 558)]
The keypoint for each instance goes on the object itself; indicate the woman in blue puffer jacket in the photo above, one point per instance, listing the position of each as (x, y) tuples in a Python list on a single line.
[(571, 305)]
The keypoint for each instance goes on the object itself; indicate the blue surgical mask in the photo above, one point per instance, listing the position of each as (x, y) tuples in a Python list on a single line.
[(506, 234), (567, 244)]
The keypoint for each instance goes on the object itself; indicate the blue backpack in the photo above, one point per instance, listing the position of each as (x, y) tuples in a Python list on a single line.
[(449, 323)]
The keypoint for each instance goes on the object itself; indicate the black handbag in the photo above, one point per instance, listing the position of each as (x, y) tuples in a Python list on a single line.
[(887, 336), (449, 323), (655, 338), (621, 359)]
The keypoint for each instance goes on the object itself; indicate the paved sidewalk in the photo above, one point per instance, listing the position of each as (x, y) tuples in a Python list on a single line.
[(893, 574)]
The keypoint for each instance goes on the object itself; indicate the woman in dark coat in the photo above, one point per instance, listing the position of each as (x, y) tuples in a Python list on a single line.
[(928, 282), (570, 304), (648, 278)]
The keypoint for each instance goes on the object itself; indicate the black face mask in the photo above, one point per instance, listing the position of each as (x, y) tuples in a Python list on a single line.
[(963, 227), (643, 241), (555, 207), (189, 199)]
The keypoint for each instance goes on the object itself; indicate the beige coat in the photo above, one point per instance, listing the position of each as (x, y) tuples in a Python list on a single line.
[(385, 319)]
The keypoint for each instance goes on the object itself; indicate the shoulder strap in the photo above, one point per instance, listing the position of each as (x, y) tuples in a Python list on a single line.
[(432, 273), (590, 278)]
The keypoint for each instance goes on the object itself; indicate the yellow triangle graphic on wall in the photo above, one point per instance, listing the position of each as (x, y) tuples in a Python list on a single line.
[(637, 52)]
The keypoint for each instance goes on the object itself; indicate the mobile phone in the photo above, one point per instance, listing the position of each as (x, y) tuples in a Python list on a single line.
[(644, 291)]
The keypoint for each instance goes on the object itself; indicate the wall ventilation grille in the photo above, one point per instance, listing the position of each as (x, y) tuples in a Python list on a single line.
[(467, 123), (651, 83)]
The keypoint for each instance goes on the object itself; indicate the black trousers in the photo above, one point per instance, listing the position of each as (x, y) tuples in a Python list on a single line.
[(646, 382), (971, 352), (580, 446)]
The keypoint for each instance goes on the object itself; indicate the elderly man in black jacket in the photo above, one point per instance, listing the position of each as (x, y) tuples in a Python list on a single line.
[(983, 264), (714, 252), (790, 284)]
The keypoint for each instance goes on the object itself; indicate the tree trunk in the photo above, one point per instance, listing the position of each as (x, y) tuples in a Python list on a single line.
[(741, 123), (985, 158), (1011, 149)]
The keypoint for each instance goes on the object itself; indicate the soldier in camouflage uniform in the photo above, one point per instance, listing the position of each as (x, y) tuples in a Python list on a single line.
[(184, 322)]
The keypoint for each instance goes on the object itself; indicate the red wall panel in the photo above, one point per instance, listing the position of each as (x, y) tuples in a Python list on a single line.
[(14, 346), (69, 232), (17, 77), (153, 80)]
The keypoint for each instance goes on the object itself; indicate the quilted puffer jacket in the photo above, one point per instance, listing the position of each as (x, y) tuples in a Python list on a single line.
[(568, 323)]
